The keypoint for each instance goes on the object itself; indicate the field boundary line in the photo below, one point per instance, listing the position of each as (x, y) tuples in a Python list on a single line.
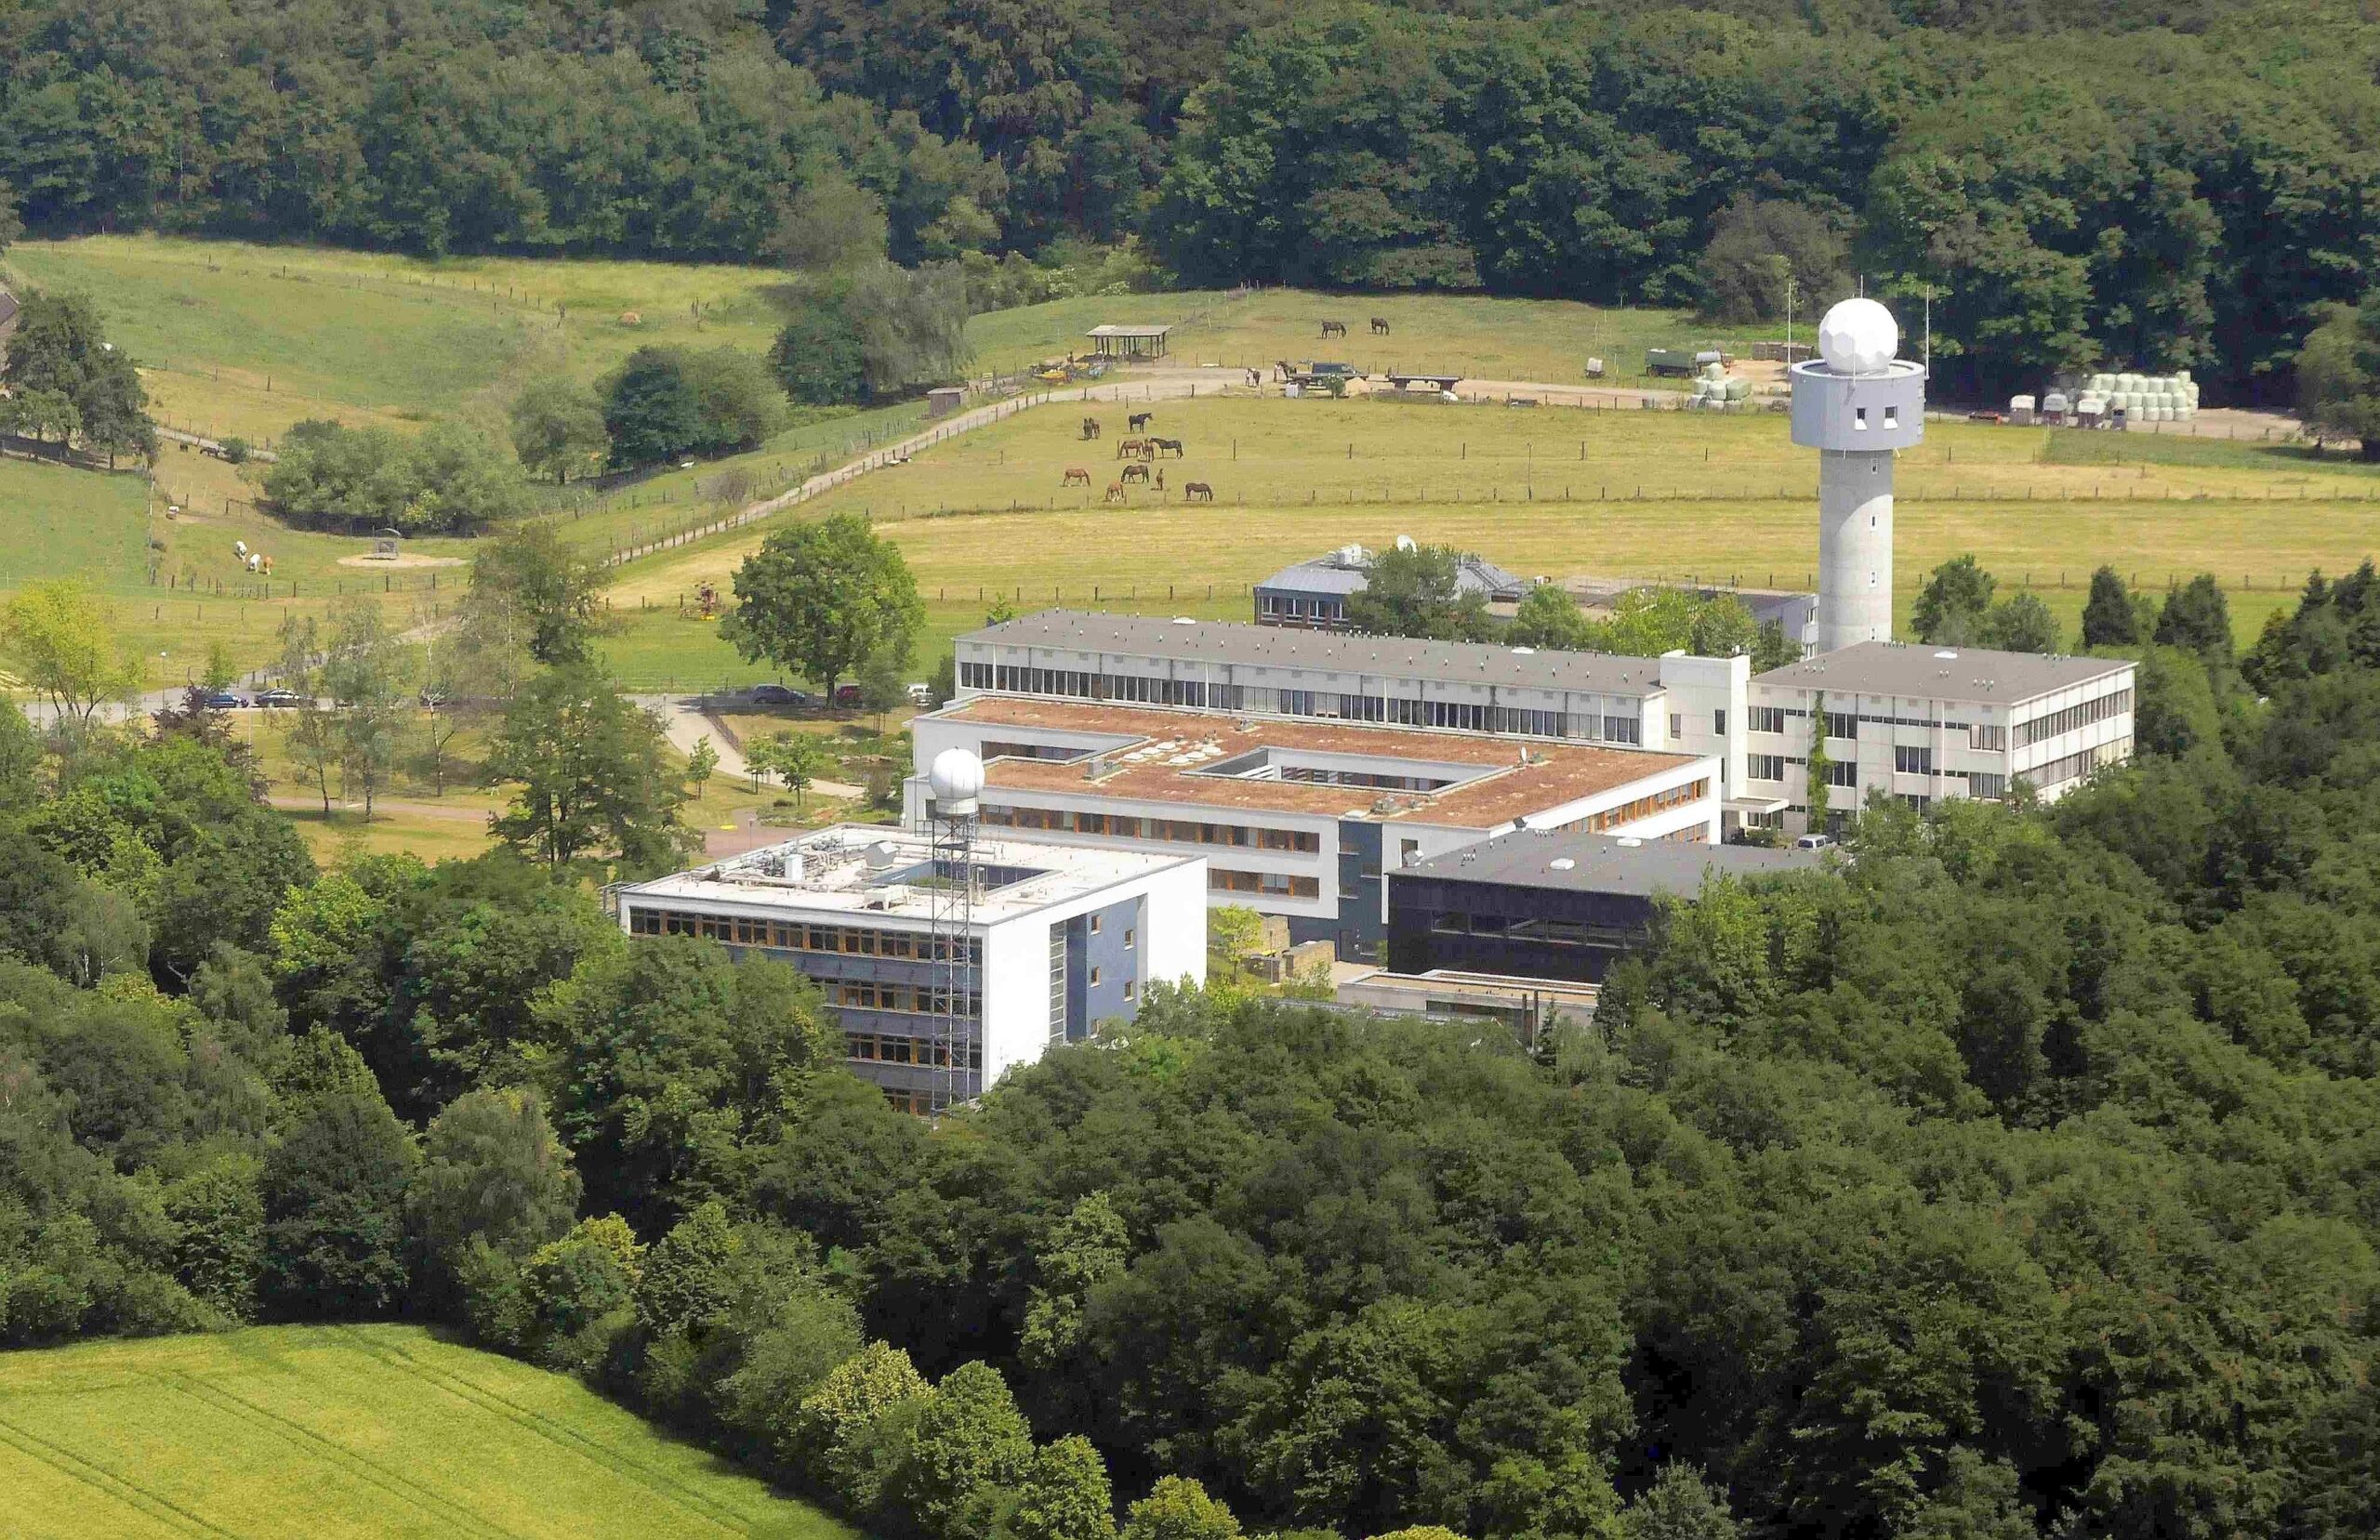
[(404, 1489), (133, 1495), (554, 1432)]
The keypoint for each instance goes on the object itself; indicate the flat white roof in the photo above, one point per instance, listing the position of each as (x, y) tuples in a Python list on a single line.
[(887, 873)]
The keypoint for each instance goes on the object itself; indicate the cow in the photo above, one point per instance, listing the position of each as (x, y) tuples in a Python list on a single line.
[(1197, 492), (1334, 328), (1074, 474), (1138, 420), (1114, 492), (1133, 473), (1127, 448), (1380, 325)]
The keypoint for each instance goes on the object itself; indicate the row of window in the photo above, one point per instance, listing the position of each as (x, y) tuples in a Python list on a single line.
[(1844, 724), (1274, 885), (793, 935), (1175, 830), (2073, 717), (1546, 932), (2073, 766), (884, 1048), (1300, 608), (1617, 726), (1642, 807), (919, 999)]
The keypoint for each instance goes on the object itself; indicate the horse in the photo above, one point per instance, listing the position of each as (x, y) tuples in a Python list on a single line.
[(1074, 474), (1133, 473), (1334, 328), (1114, 492), (1197, 492), (1127, 448), (1380, 325), (1090, 427), (1139, 420), (1160, 446)]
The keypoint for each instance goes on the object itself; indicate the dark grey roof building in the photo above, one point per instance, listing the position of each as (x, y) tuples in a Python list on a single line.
[(1313, 595)]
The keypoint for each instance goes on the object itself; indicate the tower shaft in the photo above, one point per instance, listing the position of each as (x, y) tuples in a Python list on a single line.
[(1855, 548)]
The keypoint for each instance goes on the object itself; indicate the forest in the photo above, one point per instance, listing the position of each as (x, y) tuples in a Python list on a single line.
[(2162, 187), (2013, 1177)]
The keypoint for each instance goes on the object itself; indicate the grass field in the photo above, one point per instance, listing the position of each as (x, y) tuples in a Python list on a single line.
[(346, 1431), (1656, 495)]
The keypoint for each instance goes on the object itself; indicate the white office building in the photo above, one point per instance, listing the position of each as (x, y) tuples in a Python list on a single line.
[(1922, 723), (1057, 938)]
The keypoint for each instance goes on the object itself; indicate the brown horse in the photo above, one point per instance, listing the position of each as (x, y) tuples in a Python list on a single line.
[(1090, 427), (1139, 420), (1197, 492), (1127, 448), (1334, 328), (1074, 474), (1380, 325), (1133, 473), (1114, 492)]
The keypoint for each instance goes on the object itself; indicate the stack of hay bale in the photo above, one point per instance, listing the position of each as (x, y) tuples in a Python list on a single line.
[(2149, 398), (1716, 391)]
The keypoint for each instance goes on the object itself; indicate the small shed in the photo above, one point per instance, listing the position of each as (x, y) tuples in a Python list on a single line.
[(943, 400), (1128, 343)]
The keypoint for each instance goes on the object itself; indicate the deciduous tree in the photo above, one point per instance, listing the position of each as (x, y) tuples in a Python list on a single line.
[(591, 775), (819, 597)]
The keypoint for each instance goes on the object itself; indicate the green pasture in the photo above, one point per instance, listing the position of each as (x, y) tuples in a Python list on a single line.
[(1556, 493), (318, 1432), (1543, 341)]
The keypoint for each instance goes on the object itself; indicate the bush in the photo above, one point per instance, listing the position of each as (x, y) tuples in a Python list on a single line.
[(450, 478), (840, 1437), (668, 402)]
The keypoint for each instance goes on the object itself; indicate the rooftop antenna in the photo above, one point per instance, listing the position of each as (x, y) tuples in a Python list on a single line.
[(1929, 332)]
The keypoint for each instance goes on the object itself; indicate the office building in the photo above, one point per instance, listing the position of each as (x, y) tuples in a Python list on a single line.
[(943, 976), (1922, 723), (1314, 595), (1296, 817), (1539, 904)]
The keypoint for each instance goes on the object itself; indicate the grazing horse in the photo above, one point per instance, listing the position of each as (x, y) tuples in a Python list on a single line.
[(1163, 446), (1127, 448), (1197, 492), (1334, 328), (1114, 492), (1074, 474), (1380, 325), (1090, 427), (1139, 420), (1133, 473)]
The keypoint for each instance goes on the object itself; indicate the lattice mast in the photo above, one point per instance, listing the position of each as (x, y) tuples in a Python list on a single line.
[(955, 784)]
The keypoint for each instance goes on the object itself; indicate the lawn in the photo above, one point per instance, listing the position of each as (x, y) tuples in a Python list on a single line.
[(1552, 491), (316, 1432)]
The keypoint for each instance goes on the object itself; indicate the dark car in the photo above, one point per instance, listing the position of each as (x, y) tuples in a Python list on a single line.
[(278, 696), (223, 700), (777, 694), (847, 695)]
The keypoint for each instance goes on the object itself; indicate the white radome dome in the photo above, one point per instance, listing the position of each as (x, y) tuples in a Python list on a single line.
[(955, 777), (1858, 336)]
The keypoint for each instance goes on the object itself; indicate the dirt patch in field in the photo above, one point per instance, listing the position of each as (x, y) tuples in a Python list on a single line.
[(400, 563)]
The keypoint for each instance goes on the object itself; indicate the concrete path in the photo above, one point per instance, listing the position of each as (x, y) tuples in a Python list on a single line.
[(686, 722)]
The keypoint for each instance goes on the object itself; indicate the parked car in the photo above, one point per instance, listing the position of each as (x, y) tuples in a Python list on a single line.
[(1986, 417), (847, 695), (920, 693), (778, 694), (278, 696), (1815, 842), (223, 700)]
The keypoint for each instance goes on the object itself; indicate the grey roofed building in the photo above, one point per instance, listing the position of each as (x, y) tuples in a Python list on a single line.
[(1314, 594), (1917, 671), (1577, 862), (1088, 632)]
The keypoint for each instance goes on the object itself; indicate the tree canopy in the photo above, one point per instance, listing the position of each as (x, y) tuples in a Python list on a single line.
[(820, 598)]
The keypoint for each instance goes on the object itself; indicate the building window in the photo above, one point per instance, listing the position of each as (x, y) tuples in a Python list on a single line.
[(1128, 932), (1094, 924), (1719, 720), (1132, 990), (1842, 772), (1094, 978), (1908, 759), (1769, 719), (1991, 788), (1841, 724), (2073, 717), (1677, 726), (1765, 821), (1892, 416), (1764, 767), (1983, 735), (1914, 801), (1859, 419)]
